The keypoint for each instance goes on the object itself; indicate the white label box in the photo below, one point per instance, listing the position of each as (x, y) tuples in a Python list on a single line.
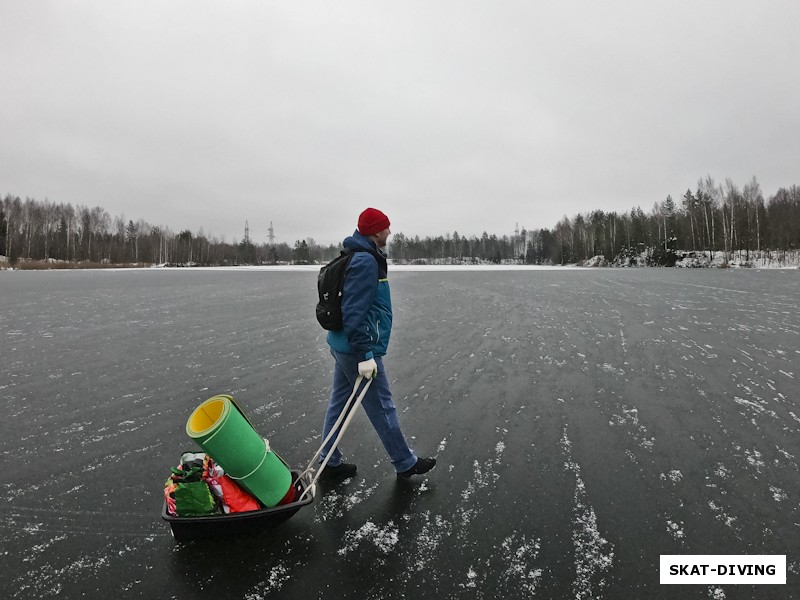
[(723, 569)]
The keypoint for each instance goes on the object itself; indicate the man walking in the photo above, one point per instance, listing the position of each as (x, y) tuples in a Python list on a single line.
[(358, 349)]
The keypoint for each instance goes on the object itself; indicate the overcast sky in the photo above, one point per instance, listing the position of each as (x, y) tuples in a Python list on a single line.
[(456, 115)]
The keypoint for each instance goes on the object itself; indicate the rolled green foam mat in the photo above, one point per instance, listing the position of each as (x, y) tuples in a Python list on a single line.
[(223, 432)]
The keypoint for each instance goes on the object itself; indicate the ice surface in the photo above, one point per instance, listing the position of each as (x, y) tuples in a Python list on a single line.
[(585, 422)]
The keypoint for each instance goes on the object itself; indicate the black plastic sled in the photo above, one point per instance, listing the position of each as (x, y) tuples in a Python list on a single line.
[(190, 528)]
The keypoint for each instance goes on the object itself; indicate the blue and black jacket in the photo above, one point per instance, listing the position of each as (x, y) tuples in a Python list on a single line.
[(366, 302)]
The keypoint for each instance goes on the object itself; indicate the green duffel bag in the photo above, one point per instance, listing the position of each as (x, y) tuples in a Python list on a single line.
[(193, 499)]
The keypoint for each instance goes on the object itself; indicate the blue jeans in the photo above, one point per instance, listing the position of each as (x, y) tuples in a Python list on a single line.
[(379, 408)]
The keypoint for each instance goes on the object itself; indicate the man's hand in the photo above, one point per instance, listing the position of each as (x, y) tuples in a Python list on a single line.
[(368, 368)]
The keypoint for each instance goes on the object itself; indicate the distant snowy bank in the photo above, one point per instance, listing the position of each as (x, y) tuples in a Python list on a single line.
[(684, 259), (679, 259), (687, 259)]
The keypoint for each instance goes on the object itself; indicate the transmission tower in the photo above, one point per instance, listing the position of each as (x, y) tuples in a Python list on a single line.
[(246, 233), (271, 238)]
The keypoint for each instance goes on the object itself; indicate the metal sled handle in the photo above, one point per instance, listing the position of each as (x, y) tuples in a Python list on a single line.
[(346, 415)]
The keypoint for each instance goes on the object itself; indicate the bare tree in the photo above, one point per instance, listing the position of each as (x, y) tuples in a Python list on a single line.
[(754, 200), (689, 204)]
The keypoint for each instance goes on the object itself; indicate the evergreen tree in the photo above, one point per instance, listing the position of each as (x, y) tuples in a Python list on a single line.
[(300, 254)]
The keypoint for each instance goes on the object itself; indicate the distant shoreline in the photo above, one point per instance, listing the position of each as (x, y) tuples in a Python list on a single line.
[(649, 258), (454, 268)]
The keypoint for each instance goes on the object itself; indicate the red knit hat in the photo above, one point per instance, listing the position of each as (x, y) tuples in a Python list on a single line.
[(371, 221)]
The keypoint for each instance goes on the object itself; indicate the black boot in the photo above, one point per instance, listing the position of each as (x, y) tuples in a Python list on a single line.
[(423, 466), (340, 471)]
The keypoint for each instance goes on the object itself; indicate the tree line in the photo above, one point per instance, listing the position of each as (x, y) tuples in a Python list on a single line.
[(32, 230), (711, 218)]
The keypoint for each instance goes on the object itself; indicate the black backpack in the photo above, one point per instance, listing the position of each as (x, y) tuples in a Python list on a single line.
[(330, 284)]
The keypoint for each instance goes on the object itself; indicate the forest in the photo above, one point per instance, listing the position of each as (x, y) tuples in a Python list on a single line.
[(718, 220)]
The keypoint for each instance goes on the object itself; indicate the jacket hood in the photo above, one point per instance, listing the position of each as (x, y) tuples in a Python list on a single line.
[(360, 242)]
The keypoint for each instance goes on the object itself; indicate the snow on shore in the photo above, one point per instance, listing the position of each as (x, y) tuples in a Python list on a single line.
[(689, 259), (754, 259)]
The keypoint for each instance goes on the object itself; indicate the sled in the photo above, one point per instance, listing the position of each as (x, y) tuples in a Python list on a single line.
[(254, 521), (305, 485)]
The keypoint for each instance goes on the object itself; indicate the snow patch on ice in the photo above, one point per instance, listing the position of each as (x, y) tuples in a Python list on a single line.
[(278, 575), (674, 476), (609, 368), (484, 476), (722, 471), (498, 449), (48, 580), (33, 551), (518, 554), (637, 431), (472, 577), (383, 538), (434, 530), (594, 555), (675, 530), (754, 459), (333, 505), (778, 494), (755, 407), (721, 515)]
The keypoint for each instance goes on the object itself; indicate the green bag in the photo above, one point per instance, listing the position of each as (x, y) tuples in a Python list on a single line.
[(193, 499)]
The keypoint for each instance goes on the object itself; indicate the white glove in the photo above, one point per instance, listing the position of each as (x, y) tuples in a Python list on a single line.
[(368, 368)]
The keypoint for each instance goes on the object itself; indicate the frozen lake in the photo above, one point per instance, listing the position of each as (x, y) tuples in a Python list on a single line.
[(585, 422)]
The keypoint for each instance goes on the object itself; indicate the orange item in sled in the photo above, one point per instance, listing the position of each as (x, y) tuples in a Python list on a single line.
[(235, 497)]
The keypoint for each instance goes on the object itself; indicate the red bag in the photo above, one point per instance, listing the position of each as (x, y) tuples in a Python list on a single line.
[(235, 497)]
